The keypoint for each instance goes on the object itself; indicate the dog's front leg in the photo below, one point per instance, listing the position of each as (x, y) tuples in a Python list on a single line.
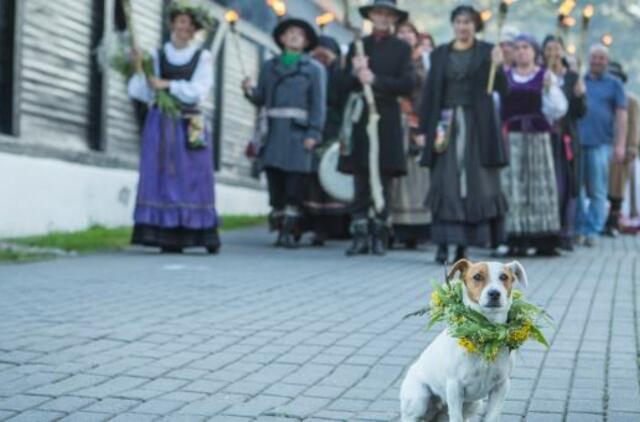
[(496, 401), (455, 400)]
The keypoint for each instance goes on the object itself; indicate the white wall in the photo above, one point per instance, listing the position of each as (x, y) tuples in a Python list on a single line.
[(39, 195)]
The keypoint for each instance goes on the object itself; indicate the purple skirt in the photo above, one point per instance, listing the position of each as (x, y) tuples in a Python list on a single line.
[(175, 204)]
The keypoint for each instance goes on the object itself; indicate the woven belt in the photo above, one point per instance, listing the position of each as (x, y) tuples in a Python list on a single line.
[(287, 113)]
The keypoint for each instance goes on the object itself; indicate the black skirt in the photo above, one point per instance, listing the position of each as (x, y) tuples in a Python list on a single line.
[(468, 208), (179, 237)]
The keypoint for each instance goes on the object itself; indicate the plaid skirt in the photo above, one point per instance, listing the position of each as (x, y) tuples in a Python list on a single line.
[(529, 184)]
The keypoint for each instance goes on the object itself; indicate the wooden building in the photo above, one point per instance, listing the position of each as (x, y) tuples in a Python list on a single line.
[(69, 135)]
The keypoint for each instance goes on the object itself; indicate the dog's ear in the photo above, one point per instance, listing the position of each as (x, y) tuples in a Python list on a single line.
[(519, 272), (459, 267)]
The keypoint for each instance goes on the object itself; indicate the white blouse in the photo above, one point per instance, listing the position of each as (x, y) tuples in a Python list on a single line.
[(554, 102), (187, 91)]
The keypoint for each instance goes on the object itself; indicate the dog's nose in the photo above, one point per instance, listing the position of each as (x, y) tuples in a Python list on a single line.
[(494, 295)]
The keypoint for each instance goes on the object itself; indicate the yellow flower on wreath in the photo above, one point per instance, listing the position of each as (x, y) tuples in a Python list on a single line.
[(436, 300), (467, 344), (522, 333)]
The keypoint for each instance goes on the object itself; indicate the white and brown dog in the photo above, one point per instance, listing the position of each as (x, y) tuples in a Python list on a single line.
[(446, 379)]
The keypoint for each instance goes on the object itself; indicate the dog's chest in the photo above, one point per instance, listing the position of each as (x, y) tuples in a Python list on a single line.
[(479, 377)]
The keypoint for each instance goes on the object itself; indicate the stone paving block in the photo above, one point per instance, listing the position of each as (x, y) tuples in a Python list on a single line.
[(158, 407), (256, 406), (87, 417), (22, 402), (112, 405), (133, 417), (68, 385), (66, 404), (585, 417), (285, 390), (302, 407), (549, 406), (204, 386), (37, 416), (165, 384), (183, 396), (212, 405), (324, 391), (113, 386)]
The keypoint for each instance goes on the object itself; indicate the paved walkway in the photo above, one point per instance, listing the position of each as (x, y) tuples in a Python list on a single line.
[(276, 336)]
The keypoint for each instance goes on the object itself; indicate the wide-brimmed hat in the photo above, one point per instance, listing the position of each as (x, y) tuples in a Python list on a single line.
[(310, 33), (199, 15), (617, 70), (391, 5)]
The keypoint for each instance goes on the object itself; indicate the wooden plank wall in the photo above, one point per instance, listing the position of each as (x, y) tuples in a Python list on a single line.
[(55, 72), (55, 83)]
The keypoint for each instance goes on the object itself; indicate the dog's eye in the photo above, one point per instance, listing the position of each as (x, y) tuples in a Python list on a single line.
[(477, 277), (504, 277)]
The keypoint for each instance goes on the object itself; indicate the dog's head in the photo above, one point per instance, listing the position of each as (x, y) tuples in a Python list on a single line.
[(488, 285)]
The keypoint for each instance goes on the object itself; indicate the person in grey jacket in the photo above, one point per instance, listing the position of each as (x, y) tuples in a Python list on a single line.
[(291, 91)]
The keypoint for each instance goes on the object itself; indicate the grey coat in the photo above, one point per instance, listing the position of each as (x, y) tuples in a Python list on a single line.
[(300, 86)]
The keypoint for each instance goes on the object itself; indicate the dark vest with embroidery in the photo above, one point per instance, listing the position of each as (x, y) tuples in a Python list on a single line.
[(174, 72)]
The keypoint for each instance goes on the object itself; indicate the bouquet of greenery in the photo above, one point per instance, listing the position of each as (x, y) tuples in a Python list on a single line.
[(474, 331), (119, 59)]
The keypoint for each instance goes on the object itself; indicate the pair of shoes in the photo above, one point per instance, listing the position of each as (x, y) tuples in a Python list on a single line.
[(611, 231), (286, 237), (213, 250), (566, 244), (591, 242), (579, 240)]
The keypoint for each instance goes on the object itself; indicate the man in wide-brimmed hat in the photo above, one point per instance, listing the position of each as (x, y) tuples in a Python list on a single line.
[(388, 67), (291, 90)]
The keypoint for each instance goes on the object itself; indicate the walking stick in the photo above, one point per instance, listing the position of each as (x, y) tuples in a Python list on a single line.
[(587, 14), (126, 7), (232, 17), (375, 181), (503, 11)]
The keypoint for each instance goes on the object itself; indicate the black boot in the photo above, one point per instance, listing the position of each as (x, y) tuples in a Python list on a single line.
[(461, 253), (287, 232), (442, 254), (378, 237), (360, 241)]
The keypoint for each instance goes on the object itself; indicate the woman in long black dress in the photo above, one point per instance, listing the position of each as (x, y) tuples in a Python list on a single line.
[(464, 149)]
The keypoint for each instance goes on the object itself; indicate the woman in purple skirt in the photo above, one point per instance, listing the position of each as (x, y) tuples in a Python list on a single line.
[(175, 206)]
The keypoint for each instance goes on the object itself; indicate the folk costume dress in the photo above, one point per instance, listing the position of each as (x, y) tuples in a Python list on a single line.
[(465, 195), (175, 205), (410, 216), (530, 181)]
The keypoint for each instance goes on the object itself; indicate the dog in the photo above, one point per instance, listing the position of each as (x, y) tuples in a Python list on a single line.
[(446, 378)]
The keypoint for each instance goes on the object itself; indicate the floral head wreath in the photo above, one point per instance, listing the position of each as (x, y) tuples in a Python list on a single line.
[(199, 14)]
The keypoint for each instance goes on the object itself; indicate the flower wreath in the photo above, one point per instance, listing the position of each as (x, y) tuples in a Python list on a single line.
[(474, 331), (199, 14)]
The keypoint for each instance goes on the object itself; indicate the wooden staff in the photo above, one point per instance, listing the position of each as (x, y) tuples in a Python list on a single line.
[(126, 7), (323, 20), (232, 17), (587, 14), (503, 11), (375, 180)]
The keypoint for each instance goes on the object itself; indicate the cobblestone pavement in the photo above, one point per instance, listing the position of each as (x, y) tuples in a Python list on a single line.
[(258, 334)]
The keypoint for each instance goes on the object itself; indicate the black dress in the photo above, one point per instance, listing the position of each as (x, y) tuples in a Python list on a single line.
[(465, 196)]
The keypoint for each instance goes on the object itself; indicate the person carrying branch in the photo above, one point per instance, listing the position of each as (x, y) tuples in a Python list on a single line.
[(388, 67), (175, 205)]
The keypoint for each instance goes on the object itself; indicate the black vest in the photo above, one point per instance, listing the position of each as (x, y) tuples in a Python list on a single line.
[(174, 72)]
